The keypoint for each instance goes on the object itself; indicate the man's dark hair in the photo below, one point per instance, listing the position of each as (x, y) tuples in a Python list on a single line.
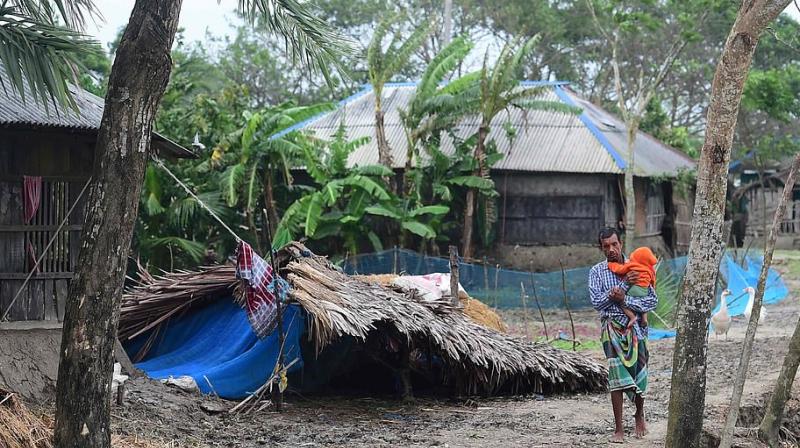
[(606, 233)]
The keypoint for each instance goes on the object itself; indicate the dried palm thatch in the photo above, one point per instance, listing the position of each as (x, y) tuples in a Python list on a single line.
[(481, 359), (19, 428), (473, 308), (477, 359), (157, 298)]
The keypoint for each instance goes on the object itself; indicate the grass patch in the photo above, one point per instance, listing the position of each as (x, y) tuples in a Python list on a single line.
[(583, 345)]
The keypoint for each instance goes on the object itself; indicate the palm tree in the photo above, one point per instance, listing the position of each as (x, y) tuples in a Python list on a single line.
[(37, 50), (382, 66), (40, 42), (500, 89)]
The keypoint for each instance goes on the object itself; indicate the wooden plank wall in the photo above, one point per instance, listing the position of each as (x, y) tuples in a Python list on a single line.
[(64, 159)]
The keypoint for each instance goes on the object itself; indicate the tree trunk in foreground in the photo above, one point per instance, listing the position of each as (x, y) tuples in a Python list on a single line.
[(769, 429), (726, 438), (138, 79), (687, 396), (630, 192)]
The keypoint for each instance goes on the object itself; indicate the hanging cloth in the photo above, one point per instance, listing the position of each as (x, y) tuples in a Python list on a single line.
[(31, 198), (262, 289)]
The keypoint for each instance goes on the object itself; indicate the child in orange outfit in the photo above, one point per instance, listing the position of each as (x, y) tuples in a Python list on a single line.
[(643, 261)]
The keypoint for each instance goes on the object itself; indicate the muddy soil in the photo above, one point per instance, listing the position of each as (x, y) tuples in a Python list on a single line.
[(155, 415)]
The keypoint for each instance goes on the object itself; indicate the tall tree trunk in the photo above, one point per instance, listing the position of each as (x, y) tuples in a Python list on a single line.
[(138, 79), (630, 192), (447, 24), (687, 396), (770, 425), (749, 337), (472, 193), (269, 201), (384, 151)]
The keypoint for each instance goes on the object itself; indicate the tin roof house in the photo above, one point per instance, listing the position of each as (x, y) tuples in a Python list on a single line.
[(46, 159), (560, 178)]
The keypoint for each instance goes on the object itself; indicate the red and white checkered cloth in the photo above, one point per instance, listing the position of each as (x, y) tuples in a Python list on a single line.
[(31, 198), (260, 298)]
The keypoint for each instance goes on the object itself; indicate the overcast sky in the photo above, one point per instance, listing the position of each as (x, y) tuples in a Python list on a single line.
[(197, 18)]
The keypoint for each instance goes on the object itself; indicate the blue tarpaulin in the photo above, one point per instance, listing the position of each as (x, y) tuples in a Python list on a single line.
[(215, 345), (738, 278)]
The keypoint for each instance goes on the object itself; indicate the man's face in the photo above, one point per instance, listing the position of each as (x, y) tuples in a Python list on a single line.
[(612, 248)]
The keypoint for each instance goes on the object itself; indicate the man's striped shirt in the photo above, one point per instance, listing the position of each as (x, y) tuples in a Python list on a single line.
[(601, 280)]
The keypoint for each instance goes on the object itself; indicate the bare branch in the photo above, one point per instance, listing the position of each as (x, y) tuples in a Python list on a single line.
[(618, 78), (596, 21), (781, 41)]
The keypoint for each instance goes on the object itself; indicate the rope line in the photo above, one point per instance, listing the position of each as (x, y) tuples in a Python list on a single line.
[(191, 193)]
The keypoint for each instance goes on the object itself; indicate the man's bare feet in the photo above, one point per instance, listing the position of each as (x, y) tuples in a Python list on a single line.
[(641, 427), (618, 437)]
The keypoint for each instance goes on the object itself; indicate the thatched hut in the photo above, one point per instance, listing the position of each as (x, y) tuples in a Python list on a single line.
[(392, 330)]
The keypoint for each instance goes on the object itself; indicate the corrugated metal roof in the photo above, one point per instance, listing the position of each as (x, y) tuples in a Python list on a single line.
[(651, 156), (592, 142), (16, 111)]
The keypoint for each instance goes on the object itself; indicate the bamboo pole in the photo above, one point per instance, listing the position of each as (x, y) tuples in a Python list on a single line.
[(538, 305), (566, 303), (496, 279), (726, 438), (524, 310), (277, 393)]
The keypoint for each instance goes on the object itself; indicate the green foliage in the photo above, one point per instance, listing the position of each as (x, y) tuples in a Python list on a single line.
[(308, 37), (657, 123), (667, 289), (39, 45), (774, 92), (338, 203), (383, 64)]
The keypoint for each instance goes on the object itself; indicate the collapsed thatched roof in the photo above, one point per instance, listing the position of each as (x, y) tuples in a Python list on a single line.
[(339, 305), (481, 359)]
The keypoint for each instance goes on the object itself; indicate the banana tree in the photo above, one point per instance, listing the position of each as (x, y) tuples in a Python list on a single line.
[(499, 89), (382, 65), (435, 108), (338, 205), (411, 220), (260, 158)]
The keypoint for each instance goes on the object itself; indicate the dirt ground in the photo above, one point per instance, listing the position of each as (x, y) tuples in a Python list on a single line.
[(155, 415)]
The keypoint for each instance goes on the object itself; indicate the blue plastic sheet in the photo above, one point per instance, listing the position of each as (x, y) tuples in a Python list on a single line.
[(215, 345), (738, 278), (657, 333)]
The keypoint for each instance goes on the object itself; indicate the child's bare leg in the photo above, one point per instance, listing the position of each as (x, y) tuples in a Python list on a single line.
[(631, 315)]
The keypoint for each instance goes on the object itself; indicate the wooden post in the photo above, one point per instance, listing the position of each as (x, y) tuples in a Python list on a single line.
[(277, 393), (566, 303), (524, 309), (454, 274), (122, 358)]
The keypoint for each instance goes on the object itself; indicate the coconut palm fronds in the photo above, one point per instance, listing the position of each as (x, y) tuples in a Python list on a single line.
[(486, 360), (157, 298)]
